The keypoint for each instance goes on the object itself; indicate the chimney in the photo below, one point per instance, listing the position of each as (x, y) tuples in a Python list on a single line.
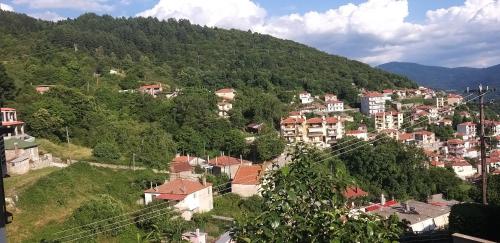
[(241, 159), (188, 158), (151, 184), (407, 207), (216, 160), (204, 180), (197, 233), (382, 199)]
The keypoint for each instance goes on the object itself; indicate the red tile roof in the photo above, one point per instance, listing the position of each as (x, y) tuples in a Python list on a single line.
[(12, 123), (179, 187), (7, 109), (292, 120), (225, 90), (294, 113), (353, 132), (226, 161), (314, 120), (177, 167), (405, 136), (248, 175), (437, 163), (354, 192), (151, 86), (467, 124), (460, 162), (373, 94), (331, 120), (372, 208), (424, 132), (455, 141)]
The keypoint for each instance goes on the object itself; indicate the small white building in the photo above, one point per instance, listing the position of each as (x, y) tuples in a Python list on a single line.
[(305, 97), (334, 106), (226, 93), (152, 89), (187, 196), (224, 107), (246, 182), (227, 165), (462, 168), (9, 120), (363, 135), (329, 97)]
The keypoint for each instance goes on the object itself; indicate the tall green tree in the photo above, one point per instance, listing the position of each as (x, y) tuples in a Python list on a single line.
[(7, 86)]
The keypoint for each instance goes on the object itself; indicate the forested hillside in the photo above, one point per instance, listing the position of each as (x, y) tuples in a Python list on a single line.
[(77, 55)]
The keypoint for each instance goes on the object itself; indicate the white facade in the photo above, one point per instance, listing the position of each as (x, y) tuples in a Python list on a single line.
[(226, 93), (388, 120), (224, 108), (335, 106), (464, 171), (467, 129), (320, 131), (372, 103), (306, 98)]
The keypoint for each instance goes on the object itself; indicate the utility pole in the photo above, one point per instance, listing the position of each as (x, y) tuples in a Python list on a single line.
[(484, 169), (67, 135)]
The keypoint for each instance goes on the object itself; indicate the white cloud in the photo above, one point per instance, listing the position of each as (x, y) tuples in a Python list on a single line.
[(241, 14), (6, 7), (374, 31), (82, 5), (47, 15)]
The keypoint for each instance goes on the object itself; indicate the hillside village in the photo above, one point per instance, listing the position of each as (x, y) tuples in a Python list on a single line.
[(147, 130), (321, 121)]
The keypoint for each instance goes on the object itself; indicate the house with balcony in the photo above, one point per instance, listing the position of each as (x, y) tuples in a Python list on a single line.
[(492, 127), (372, 103), (424, 138), (334, 106), (186, 196), (293, 129), (387, 93), (454, 99), (316, 132), (305, 97), (9, 120), (467, 129), (151, 89), (330, 97), (226, 93), (223, 108), (388, 120), (456, 147)]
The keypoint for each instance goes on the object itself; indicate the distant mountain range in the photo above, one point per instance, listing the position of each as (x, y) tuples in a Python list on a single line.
[(446, 78)]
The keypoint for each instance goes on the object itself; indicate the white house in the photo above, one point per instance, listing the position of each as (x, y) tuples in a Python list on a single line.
[(467, 129), (305, 97), (335, 106), (363, 135), (9, 120), (372, 103), (462, 168), (187, 196), (224, 107), (246, 182), (330, 97)]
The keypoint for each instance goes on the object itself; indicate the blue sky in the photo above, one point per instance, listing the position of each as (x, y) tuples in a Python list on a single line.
[(433, 32)]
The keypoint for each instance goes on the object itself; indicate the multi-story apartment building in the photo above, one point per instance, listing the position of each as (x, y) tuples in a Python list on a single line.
[(456, 147), (9, 120), (292, 129), (493, 127), (335, 106), (372, 103), (425, 138), (388, 120), (320, 131), (467, 129)]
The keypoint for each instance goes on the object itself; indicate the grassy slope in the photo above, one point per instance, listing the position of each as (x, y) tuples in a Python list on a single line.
[(62, 151), (44, 208), (18, 183)]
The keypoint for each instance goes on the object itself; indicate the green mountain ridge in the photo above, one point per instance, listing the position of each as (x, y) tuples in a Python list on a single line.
[(444, 78), (177, 53)]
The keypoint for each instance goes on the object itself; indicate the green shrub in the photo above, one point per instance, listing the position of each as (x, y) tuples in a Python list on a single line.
[(106, 151)]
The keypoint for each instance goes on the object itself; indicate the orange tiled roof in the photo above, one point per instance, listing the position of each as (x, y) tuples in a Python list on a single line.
[(455, 141), (354, 192), (7, 109), (314, 120), (331, 120), (179, 187), (248, 175), (226, 160), (225, 90), (176, 167), (291, 120)]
